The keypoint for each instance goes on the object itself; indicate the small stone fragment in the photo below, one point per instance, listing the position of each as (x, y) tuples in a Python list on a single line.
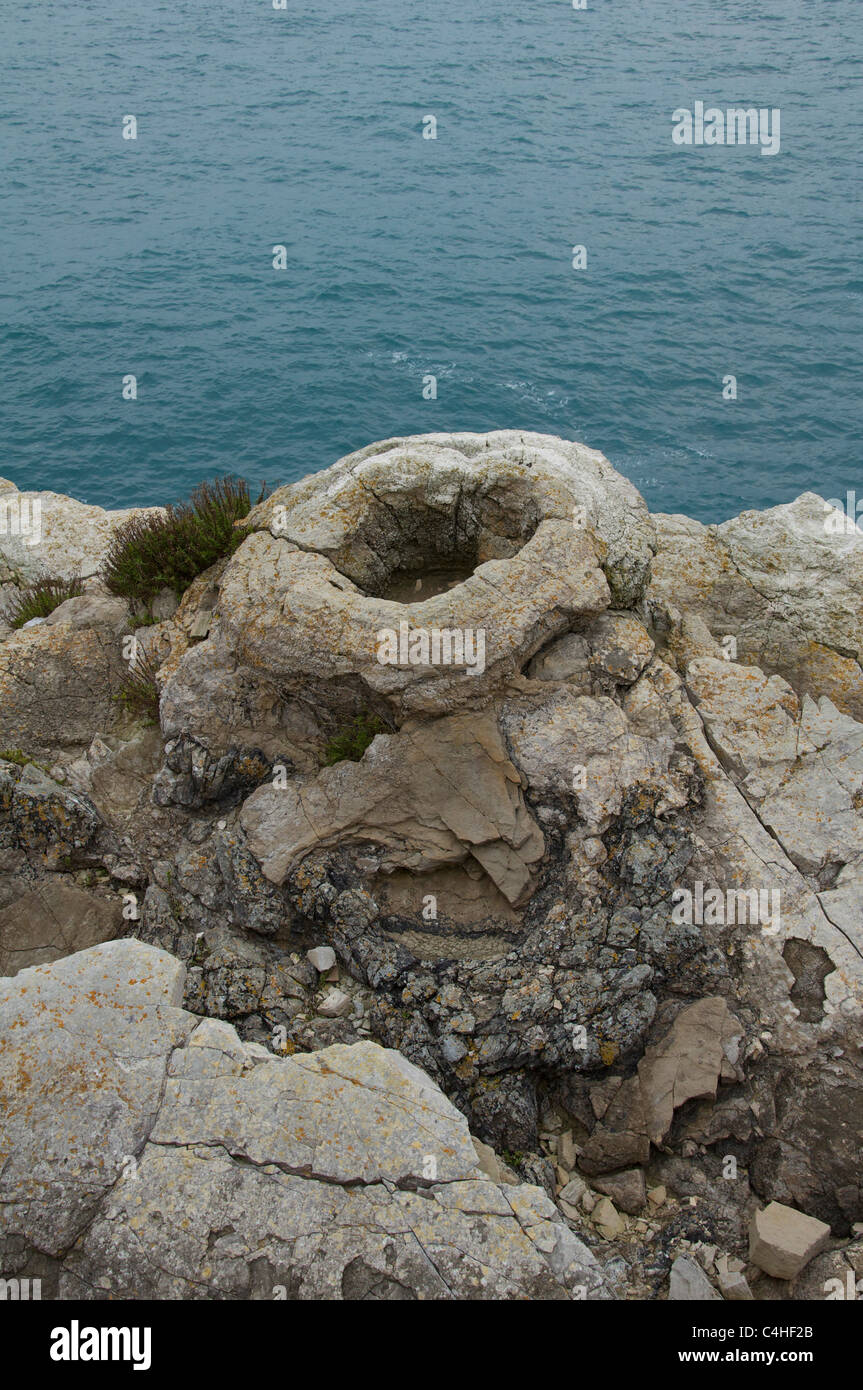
[(607, 1219), (322, 958), (688, 1283), (782, 1241), (626, 1189), (335, 1004)]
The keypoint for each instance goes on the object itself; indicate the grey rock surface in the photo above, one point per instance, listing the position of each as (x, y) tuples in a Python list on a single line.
[(148, 1153)]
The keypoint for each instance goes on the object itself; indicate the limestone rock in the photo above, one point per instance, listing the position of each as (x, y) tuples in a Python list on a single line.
[(335, 1004), (626, 1189), (373, 511), (607, 1219), (44, 818), (57, 685), (424, 798), (786, 587), (64, 538), (688, 1283), (734, 1287), (153, 1155), (323, 958), (52, 921), (685, 1064), (782, 1241), (292, 617), (587, 751)]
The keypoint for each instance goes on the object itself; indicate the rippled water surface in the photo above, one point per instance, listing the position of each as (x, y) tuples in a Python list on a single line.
[(449, 257)]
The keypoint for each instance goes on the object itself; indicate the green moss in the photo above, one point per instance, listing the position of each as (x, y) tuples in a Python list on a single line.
[(351, 742), (151, 553), (14, 755), (40, 598), (22, 759)]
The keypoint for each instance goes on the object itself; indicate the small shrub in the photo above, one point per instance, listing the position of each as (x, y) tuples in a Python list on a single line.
[(40, 598), (139, 693), (150, 553), (351, 742)]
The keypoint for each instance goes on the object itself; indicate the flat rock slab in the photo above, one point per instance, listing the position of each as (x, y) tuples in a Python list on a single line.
[(52, 921), (439, 794), (155, 1155)]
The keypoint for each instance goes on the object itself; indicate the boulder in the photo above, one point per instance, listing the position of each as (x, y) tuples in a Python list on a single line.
[(62, 537), (150, 1154), (782, 1241)]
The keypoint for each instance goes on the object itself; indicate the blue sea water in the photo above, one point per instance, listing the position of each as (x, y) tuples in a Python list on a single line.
[(409, 256)]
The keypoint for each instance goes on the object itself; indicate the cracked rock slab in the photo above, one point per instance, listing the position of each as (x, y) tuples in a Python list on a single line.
[(433, 795), (155, 1155)]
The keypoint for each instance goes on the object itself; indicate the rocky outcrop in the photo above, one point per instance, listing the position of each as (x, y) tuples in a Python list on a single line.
[(147, 1153), (425, 798), (59, 681), (595, 877), (786, 584), (48, 533)]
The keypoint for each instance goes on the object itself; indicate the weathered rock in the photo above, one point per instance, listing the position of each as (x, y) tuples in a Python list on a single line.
[(434, 496), (835, 1276), (626, 1189), (607, 1219), (61, 536), (499, 877), (810, 1111), (335, 1004), (782, 1241), (586, 751), (425, 798), (701, 1046), (688, 1282), (52, 921), (58, 684), (294, 617), (323, 958), (150, 1154), (42, 818), (734, 1288), (786, 587)]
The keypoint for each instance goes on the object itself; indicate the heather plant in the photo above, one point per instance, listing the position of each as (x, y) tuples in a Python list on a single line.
[(168, 551), (351, 742), (40, 598), (139, 693)]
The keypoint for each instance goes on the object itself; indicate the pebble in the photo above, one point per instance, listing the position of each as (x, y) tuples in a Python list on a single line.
[(335, 1004), (323, 958)]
